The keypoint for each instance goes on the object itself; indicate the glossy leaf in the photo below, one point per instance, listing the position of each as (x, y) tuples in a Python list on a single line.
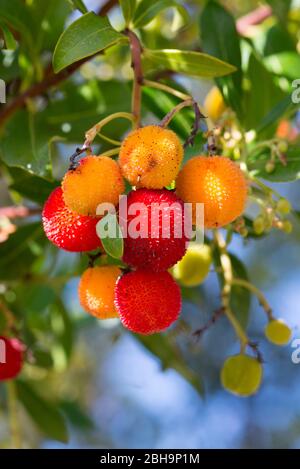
[(128, 8), (17, 14), (10, 42), (148, 9), (16, 254), (31, 186), (187, 62), (285, 64), (113, 244), (44, 414), (85, 37), (263, 94), (224, 43), (78, 5)]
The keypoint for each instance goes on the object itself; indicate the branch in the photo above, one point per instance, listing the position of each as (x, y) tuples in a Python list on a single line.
[(50, 78), (136, 63)]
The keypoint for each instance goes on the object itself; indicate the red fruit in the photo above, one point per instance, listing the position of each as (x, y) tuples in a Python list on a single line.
[(11, 357), (159, 249), (66, 229), (147, 302)]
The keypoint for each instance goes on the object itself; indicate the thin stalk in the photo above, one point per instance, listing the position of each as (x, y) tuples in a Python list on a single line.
[(260, 296), (167, 89), (13, 415)]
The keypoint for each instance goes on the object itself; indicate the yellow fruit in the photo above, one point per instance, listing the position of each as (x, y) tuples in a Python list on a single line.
[(150, 157), (241, 375), (194, 267), (218, 183), (214, 104), (278, 332), (97, 291), (96, 180)]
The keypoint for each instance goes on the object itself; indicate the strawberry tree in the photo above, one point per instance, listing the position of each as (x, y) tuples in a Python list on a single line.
[(102, 104)]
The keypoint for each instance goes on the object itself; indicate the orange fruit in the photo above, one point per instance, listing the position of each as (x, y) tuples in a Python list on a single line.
[(96, 180), (96, 291), (218, 183), (150, 157)]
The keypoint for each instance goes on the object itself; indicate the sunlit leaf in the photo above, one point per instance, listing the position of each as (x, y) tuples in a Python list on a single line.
[(148, 9), (85, 37), (187, 62)]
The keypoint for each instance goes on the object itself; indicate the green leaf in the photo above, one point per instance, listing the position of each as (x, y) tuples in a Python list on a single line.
[(128, 8), (280, 8), (44, 414), (63, 327), (186, 62), (77, 417), (85, 37), (285, 64), (9, 39), (148, 9), (30, 186), (162, 347), (262, 95), (17, 14), (26, 143), (282, 173), (16, 254), (78, 5), (224, 43), (160, 103), (113, 244), (272, 117)]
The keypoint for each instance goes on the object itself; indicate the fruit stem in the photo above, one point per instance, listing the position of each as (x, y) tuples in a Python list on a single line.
[(226, 291), (113, 151), (268, 190), (253, 289), (167, 119), (90, 135), (136, 64), (109, 140), (13, 415), (168, 89)]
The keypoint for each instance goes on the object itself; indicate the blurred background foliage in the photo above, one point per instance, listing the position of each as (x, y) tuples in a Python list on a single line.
[(88, 383)]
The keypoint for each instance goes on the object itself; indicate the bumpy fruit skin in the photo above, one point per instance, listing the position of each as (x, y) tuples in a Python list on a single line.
[(153, 250), (241, 375), (96, 291), (214, 104), (147, 302), (218, 183), (194, 267), (150, 157), (96, 180), (11, 357), (278, 332), (66, 229)]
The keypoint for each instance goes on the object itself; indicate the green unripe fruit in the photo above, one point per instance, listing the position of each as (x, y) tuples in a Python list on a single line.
[(278, 332), (283, 147), (241, 375), (283, 206), (259, 225), (287, 226), (194, 267), (270, 166)]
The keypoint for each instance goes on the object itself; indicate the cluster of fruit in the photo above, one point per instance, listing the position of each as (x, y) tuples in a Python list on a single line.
[(144, 296)]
